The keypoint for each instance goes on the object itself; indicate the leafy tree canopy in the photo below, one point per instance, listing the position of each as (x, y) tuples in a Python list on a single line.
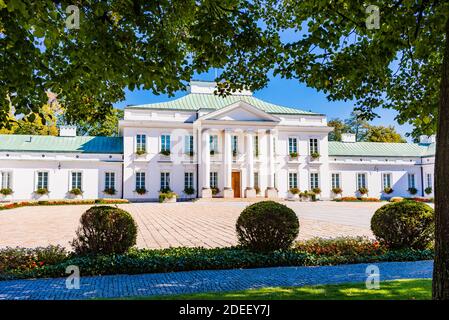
[(153, 45)]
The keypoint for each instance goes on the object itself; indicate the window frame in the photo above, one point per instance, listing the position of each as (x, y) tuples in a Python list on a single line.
[(164, 141), (314, 145), (47, 173), (188, 179), (409, 175), (365, 180), (72, 180), (387, 174), (292, 147), (138, 180), (9, 183), (213, 175), (112, 178), (334, 183), (292, 180), (314, 182), (141, 144)]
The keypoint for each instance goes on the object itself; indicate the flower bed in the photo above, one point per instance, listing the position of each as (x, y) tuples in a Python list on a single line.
[(14, 205), (310, 253), (354, 199)]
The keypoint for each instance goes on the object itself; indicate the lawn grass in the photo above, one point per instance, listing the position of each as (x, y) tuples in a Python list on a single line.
[(413, 289)]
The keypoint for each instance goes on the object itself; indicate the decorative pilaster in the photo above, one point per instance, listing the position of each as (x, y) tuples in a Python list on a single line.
[(205, 164), (271, 192), (250, 192), (227, 165)]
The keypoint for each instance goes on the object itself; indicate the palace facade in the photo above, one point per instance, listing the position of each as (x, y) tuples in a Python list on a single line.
[(203, 145)]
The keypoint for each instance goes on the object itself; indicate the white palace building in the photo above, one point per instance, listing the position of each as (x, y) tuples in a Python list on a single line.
[(238, 146)]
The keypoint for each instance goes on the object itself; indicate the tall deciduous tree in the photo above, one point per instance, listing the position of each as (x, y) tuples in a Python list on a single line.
[(383, 134), (339, 128), (401, 63)]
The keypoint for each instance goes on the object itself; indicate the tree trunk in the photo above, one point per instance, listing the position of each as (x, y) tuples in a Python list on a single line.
[(440, 284)]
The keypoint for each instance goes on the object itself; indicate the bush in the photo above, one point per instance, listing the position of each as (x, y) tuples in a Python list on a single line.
[(6, 191), (105, 230), (428, 190), (363, 190), (316, 190), (23, 259), (294, 190), (337, 190), (189, 191), (76, 192), (214, 191), (405, 224), (412, 191), (267, 226), (396, 199), (388, 190), (293, 154), (315, 155), (166, 195), (110, 191), (41, 191), (141, 191), (341, 246), (138, 261), (140, 152)]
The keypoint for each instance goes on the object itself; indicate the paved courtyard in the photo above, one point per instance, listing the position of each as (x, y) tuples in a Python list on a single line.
[(207, 224)]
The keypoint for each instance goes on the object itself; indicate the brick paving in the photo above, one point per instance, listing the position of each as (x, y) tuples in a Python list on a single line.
[(207, 224), (205, 281)]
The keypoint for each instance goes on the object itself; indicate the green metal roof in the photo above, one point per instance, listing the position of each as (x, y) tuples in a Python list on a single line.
[(80, 144), (196, 101), (380, 149)]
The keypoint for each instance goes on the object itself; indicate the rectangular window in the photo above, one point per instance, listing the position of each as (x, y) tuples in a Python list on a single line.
[(361, 180), (188, 145), (141, 142), (411, 180), (386, 178), (140, 180), (165, 142), (213, 143), (429, 180), (256, 180), (292, 180), (336, 180), (314, 180), (77, 180), (234, 144), (109, 180), (165, 181), (313, 144), (292, 145), (188, 180), (214, 179), (42, 180), (5, 181), (256, 146)]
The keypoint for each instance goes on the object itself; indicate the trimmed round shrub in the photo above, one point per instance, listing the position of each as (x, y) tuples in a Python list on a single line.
[(105, 230), (267, 226), (405, 224)]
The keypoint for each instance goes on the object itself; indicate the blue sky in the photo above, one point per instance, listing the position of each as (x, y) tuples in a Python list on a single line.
[(285, 92)]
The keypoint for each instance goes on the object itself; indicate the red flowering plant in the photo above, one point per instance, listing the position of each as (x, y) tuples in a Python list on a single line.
[(341, 246)]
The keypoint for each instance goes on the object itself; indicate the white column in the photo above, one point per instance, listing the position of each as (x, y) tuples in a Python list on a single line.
[(227, 165), (271, 191), (250, 192), (205, 164)]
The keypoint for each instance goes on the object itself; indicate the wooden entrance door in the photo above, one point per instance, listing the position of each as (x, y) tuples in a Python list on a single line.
[(236, 184)]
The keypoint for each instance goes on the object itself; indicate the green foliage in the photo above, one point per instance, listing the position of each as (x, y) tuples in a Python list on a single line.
[(293, 155), (166, 195), (14, 205), (337, 190), (76, 192), (215, 190), (141, 191), (363, 190), (412, 191), (341, 246), (383, 134), (6, 191), (339, 128), (294, 191), (106, 126), (137, 261), (267, 226), (388, 190), (165, 152), (427, 190), (110, 191), (23, 259), (141, 152), (315, 155), (405, 224), (316, 190), (189, 191), (105, 230), (41, 191)]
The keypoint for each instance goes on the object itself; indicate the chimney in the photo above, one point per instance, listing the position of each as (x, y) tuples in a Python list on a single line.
[(67, 131), (348, 137), (427, 139)]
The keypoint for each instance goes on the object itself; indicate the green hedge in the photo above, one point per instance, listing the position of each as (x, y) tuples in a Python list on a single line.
[(186, 259), (14, 205)]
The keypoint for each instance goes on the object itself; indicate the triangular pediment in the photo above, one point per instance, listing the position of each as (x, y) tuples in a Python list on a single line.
[(240, 111)]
